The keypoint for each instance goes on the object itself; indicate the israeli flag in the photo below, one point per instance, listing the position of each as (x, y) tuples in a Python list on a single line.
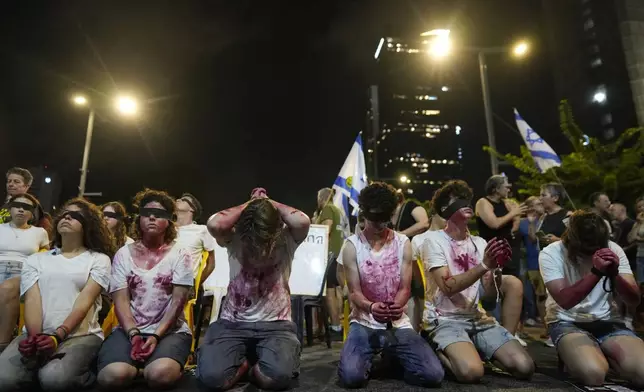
[(543, 155), (351, 180)]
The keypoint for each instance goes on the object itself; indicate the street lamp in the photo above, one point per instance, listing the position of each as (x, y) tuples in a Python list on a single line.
[(125, 105), (520, 49)]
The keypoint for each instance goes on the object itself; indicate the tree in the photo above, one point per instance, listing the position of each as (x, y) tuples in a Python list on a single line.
[(615, 168)]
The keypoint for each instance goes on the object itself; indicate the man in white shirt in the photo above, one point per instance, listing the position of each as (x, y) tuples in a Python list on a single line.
[(461, 270), (194, 237), (586, 275)]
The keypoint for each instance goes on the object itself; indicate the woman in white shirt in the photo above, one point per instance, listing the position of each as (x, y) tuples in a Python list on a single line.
[(586, 275), (62, 291), (18, 240), (150, 282), (115, 216)]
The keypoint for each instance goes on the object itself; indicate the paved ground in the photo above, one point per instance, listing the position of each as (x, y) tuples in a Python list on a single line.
[(319, 373)]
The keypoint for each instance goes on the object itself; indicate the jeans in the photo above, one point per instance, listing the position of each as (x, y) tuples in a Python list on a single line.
[(420, 364)]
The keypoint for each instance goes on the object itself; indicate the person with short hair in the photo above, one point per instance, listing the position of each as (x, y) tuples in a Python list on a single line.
[(62, 288), (585, 275), (193, 236), (463, 269), (378, 266), (254, 333), (18, 182), (151, 279), (553, 225), (19, 239)]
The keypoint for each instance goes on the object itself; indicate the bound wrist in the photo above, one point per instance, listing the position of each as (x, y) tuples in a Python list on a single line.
[(371, 307), (132, 332)]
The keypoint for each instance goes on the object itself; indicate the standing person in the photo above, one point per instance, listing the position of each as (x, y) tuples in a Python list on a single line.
[(636, 236), (331, 216), (18, 182), (622, 228), (600, 203), (554, 222), (19, 239), (150, 282), (528, 228), (194, 237), (62, 299), (255, 330), (585, 273), (463, 269), (378, 267), (411, 219), (115, 216), (498, 217)]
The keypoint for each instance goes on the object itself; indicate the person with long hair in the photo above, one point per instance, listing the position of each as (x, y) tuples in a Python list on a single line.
[(255, 333), (19, 239), (62, 291), (378, 266), (587, 276), (115, 216), (497, 216), (331, 216), (151, 279), (463, 269)]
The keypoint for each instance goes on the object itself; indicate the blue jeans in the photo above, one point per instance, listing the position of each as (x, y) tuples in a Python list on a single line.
[(420, 364)]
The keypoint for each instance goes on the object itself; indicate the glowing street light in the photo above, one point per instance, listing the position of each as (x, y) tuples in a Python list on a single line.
[(404, 179), (439, 44), (79, 100), (520, 49), (126, 106), (599, 97)]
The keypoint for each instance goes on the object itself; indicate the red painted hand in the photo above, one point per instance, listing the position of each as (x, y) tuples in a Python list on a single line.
[(27, 347), (380, 312), (603, 261)]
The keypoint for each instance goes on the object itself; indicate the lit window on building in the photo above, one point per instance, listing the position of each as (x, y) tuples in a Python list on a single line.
[(593, 49), (426, 97), (458, 129), (400, 96), (596, 62), (589, 24)]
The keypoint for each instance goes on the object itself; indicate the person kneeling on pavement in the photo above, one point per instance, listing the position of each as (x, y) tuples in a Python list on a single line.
[(255, 333), (377, 263), (457, 265), (62, 290)]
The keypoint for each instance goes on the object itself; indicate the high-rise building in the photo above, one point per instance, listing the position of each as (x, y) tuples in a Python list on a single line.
[(413, 132), (598, 61)]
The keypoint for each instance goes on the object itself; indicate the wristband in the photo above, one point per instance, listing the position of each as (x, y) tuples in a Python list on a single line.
[(485, 267), (65, 331), (132, 332), (370, 307), (157, 337), (597, 272)]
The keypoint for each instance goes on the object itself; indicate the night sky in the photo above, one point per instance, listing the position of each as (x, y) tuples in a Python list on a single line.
[(237, 94)]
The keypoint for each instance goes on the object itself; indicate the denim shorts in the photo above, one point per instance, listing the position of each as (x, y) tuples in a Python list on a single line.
[(9, 269), (486, 335), (599, 331)]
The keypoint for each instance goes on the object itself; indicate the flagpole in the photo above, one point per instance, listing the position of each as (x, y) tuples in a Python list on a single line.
[(554, 173)]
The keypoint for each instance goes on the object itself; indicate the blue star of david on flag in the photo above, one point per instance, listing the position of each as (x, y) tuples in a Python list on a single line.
[(543, 155)]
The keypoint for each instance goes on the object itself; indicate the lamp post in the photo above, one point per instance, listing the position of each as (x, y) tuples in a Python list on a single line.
[(124, 105), (440, 47)]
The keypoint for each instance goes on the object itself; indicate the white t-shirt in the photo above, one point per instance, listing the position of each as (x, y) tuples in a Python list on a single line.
[(380, 274), (60, 281), (151, 290), (259, 294), (128, 240), (417, 245), (598, 305), (17, 244), (195, 239), (440, 250)]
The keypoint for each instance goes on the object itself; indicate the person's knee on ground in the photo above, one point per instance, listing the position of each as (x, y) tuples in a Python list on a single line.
[(9, 308), (162, 373), (590, 373), (54, 379), (275, 380), (465, 370), (352, 371), (426, 375), (116, 375), (517, 362)]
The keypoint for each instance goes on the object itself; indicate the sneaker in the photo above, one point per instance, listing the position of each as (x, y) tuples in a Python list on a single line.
[(521, 341), (548, 342), (530, 322)]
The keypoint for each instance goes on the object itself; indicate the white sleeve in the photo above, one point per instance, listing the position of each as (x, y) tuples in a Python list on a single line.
[(551, 266), (416, 248), (339, 258), (118, 277), (433, 254), (624, 266), (207, 240), (43, 242), (182, 273), (100, 270), (30, 273)]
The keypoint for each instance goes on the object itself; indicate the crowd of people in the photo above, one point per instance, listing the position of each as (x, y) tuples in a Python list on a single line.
[(426, 293)]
